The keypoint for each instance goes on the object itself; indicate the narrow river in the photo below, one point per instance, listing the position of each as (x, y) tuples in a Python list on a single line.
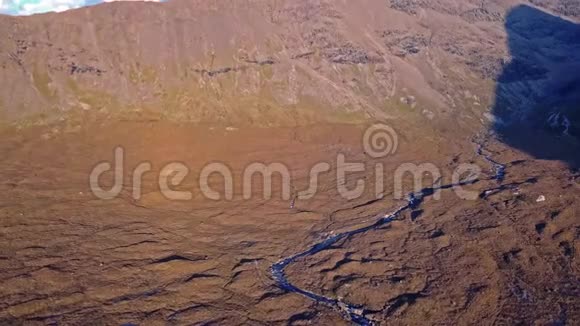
[(351, 312)]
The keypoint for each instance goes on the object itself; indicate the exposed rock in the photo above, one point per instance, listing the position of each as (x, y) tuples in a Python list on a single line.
[(349, 54), (487, 66), (569, 8), (409, 100), (408, 6), (402, 43), (482, 14), (429, 114), (84, 69)]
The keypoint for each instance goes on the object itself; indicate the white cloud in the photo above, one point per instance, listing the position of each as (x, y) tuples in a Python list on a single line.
[(28, 7)]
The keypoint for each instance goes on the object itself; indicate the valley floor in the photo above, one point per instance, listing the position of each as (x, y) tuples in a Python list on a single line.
[(508, 257)]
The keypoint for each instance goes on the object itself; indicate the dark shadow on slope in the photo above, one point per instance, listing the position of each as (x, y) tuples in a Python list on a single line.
[(537, 104)]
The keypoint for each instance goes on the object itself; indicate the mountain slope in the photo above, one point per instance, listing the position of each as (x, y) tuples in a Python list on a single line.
[(256, 61)]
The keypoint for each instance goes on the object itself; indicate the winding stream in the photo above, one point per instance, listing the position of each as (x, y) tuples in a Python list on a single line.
[(354, 313), (499, 168)]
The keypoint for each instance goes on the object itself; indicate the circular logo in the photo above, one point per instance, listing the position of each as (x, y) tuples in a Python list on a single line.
[(380, 140)]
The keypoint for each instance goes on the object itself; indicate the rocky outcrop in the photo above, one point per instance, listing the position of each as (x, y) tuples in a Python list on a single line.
[(482, 14), (402, 43), (569, 8)]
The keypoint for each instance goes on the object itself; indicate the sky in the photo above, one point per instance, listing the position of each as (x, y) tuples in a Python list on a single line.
[(29, 7)]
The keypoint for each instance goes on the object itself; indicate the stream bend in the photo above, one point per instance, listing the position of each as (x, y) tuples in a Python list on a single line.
[(351, 312)]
